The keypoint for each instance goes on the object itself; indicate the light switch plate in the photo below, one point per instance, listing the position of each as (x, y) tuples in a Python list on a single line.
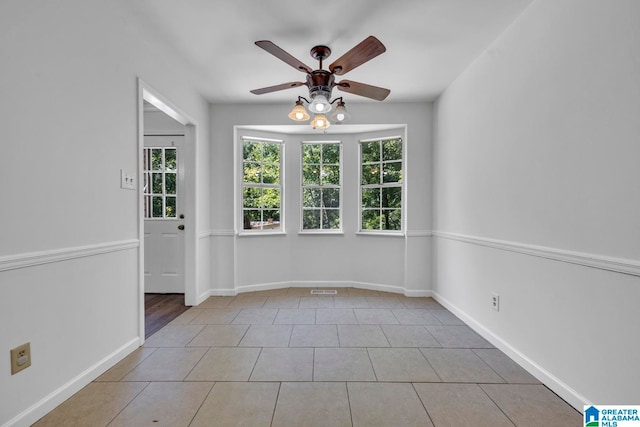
[(127, 181)]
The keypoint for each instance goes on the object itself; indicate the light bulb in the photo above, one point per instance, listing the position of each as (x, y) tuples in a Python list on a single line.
[(340, 116), (299, 116)]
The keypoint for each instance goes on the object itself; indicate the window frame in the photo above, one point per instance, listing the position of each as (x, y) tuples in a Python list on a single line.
[(340, 187), (147, 188), (401, 185), (242, 185)]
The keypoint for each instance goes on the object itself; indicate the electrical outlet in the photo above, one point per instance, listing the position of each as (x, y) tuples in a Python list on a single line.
[(20, 358), (495, 302)]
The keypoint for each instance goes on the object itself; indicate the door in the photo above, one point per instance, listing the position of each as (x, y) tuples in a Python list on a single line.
[(163, 174)]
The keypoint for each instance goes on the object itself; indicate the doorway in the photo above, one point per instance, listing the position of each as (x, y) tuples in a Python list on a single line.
[(166, 218)]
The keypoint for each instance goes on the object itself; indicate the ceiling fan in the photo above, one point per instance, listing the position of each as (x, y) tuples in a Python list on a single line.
[(321, 82)]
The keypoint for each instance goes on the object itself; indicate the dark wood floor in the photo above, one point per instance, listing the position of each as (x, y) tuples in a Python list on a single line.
[(160, 309)]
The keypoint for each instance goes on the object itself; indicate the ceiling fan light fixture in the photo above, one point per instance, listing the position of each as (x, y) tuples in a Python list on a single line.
[(298, 113), (340, 114), (320, 122), (320, 104)]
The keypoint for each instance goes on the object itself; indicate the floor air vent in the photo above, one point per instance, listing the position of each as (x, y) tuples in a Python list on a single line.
[(324, 292)]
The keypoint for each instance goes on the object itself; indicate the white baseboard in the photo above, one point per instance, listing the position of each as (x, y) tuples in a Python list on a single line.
[(314, 284), (574, 398), (56, 397)]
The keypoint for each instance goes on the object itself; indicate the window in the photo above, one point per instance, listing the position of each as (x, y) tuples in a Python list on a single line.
[(160, 182), (381, 184), (261, 184), (321, 185)]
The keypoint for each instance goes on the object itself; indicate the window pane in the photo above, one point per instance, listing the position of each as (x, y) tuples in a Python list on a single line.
[(331, 197), (147, 206), (311, 197), (311, 175), (251, 197), (370, 174), (392, 149), (251, 218), (392, 172), (370, 197), (146, 185), (252, 151), (262, 197), (251, 172), (311, 219), (311, 153), (370, 219), (391, 219), (170, 209), (271, 153), (157, 184), (146, 159), (157, 207), (271, 219), (331, 219), (370, 151), (170, 161), (271, 198), (331, 154), (391, 197), (271, 174), (156, 159), (170, 183), (331, 175)]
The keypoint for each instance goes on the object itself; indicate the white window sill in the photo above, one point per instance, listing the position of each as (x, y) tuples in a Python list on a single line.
[(381, 233), (261, 233), (322, 232)]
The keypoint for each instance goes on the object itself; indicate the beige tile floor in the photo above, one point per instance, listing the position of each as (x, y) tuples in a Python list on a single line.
[(286, 358)]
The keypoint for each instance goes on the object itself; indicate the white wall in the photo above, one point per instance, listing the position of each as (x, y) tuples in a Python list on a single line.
[(536, 179), (374, 261), (68, 244)]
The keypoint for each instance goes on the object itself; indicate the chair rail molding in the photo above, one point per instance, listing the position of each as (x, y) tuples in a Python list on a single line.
[(31, 259), (618, 265)]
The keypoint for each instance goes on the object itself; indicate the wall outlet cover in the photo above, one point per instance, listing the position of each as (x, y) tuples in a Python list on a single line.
[(20, 358), (495, 302)]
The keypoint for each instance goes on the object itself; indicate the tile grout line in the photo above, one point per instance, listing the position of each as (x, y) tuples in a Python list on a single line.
[(129, 402), (495, 403), (254, 365), (373, 368), (275, 405), (413, 385), (346, 386), (202, 403)]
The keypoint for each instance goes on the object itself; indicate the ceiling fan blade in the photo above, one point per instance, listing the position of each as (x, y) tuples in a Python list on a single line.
[(284, 56), (368, 91), (366, 50), (277, 87)]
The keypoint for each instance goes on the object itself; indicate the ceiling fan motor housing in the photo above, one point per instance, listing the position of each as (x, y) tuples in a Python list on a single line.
[(320, 82)]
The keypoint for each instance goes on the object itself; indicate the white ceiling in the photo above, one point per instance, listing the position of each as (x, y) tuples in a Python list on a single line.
[(429, 42)]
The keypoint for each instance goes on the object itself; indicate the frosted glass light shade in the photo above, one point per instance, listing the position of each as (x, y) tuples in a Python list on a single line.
[(340, 114), (320, 105), (298, 113), (320, 122)]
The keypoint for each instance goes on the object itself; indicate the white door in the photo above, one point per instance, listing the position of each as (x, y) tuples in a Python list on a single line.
[(163, 211)]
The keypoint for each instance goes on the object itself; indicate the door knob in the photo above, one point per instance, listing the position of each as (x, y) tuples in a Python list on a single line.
[(181, 227)]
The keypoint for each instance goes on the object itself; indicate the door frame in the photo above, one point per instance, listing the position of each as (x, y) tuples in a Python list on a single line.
[(151, 95)]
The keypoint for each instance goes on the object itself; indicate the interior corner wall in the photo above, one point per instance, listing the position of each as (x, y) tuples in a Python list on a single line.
[(536, 196), (346, 254), (69, 244)]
